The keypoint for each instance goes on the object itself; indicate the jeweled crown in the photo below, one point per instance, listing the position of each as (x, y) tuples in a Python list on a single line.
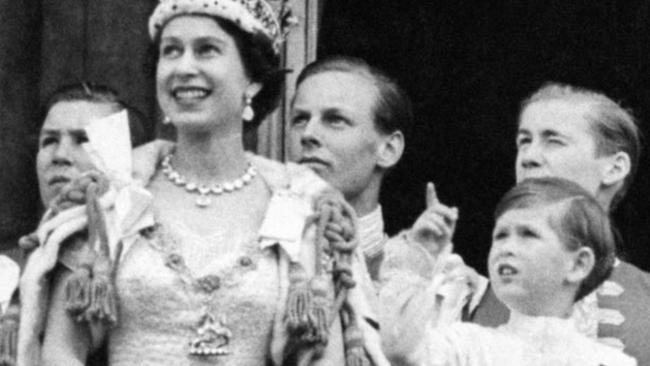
[(252, 16)]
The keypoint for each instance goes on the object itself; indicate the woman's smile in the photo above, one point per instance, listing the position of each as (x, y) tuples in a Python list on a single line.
[(189, 95)]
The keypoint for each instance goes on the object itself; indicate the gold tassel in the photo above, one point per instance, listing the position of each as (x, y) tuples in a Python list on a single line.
[(77, 291), (75, 192), (89, 292), (103, 304), (312, 300), (299, 300), (355, 354), (9, 335), (320, 310), (103, 296)]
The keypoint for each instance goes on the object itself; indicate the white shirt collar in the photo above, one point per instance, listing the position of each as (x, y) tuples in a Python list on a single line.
[(371, 232), (529, 326)]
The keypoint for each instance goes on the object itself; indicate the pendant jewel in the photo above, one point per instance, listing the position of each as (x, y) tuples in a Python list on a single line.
[(212, 336), (204, 191), (203, 201), (190, 186), (209, 335)]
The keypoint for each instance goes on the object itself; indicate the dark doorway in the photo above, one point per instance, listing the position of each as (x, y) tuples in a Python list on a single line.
[(467, 65)]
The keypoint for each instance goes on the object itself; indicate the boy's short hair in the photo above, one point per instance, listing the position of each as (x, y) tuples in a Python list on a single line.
[(614, 128), (580, 221)]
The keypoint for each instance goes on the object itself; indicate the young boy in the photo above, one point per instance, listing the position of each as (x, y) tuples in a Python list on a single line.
[(552, 245), (586, 137)]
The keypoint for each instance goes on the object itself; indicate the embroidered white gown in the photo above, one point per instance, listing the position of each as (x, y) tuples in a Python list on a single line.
[(159, 312)]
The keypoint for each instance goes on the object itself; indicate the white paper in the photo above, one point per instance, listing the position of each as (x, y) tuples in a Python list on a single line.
[(109, 146), (284, 222)]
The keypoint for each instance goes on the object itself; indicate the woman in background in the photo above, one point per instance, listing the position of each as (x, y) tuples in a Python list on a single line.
[(61, 158)]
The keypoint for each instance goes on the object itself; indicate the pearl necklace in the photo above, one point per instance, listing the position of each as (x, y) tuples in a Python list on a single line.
[(204, 190)]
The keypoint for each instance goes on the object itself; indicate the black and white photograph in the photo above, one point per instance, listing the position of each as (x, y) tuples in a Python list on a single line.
[(324, 183)]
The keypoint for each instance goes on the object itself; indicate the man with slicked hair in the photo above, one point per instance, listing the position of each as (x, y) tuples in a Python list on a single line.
[(350, 119), (584, 136)]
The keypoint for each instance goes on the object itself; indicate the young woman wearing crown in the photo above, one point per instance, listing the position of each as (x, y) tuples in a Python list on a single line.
[(249, 261)]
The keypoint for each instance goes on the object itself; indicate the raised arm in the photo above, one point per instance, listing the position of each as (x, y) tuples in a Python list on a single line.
[(422, 284), (434, 228)]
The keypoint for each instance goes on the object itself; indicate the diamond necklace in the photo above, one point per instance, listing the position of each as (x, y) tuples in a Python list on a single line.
[(204, 190)]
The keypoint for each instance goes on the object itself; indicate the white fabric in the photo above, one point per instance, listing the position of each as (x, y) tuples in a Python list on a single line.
[(414, 284), (159, 312), (372, 238), (9, 274), (284, 222), (109, 146), (420, 303), (524, 340)]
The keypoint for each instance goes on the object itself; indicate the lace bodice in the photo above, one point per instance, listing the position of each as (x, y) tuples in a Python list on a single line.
[(160, 310), (163, 294)]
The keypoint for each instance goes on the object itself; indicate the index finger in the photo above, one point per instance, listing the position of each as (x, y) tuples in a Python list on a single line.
[(432, 197)]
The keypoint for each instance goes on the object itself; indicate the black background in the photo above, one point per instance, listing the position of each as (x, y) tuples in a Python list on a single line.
[(467, 65)]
